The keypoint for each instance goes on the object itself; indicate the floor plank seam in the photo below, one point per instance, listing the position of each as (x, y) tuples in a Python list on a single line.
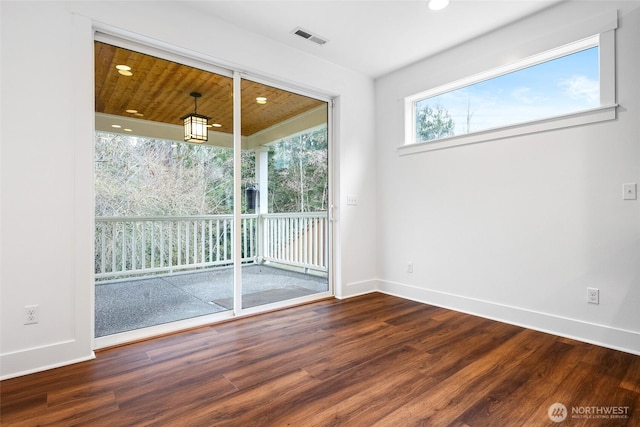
[(231, 382)]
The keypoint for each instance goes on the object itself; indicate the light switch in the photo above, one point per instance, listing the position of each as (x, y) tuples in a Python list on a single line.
[(629, 191)]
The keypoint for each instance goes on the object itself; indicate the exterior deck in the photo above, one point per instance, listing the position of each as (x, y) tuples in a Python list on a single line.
[(129, 304), (154, 270)]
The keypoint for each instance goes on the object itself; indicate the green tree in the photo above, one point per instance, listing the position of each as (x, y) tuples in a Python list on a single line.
[(433, 123), (298, 173), (139, 176)]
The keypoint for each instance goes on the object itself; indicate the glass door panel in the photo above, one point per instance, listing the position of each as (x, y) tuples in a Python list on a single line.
[(285, 190), (164, 207)]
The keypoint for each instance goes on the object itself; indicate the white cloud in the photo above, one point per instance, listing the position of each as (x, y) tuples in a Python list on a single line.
[(525, 95), (581, 88)]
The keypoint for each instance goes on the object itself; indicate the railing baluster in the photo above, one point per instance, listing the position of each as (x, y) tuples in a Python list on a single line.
[(187, 243), (295, 239), (195, 242), (217, 240), (210, 241), (270, 239), (280, 253), (143, 236), (323, 242), (134, 252), (289, 237), (170, 261), (103, 247), (123, 247), (184, 251), (244, 237), (113, 247), (311, 241), (153, 245), (273, 238), (276, 238), (254, 230), (224, 235), (318, 239), (285, 229), (304, 240), (179, 247), (202, 243)]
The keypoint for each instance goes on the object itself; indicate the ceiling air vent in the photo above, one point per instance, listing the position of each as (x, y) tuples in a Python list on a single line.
[(309, 36)]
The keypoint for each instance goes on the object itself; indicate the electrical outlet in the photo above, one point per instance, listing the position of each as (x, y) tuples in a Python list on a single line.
[(629, 191), (409, 267), (31, 314), (352, 200), (593, 296)]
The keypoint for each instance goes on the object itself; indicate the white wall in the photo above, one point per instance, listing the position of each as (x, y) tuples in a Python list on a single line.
[(517, 229), (47, 171)]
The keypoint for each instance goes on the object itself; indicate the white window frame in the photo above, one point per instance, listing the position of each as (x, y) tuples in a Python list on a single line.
[(605, 40)]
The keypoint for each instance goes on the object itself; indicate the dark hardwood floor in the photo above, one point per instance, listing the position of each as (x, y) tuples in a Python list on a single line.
[(369, 360)]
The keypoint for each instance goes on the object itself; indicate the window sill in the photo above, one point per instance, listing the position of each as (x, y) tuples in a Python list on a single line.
[(594, 115)]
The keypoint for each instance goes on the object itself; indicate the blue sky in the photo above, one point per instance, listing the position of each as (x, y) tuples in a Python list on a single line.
[(559, 86)]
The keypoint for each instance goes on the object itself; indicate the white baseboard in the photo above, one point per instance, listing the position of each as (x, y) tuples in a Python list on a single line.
[(354, 289), (31, 360), (592, 333)]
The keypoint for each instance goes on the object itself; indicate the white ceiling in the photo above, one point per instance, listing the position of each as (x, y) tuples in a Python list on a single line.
[(373, 37)]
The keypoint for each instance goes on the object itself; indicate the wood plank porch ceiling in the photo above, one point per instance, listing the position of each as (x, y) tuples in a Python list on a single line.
[(159, 91)]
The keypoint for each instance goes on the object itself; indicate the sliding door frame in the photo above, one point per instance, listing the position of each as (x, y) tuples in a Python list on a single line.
[(329, 232), (148, 46)]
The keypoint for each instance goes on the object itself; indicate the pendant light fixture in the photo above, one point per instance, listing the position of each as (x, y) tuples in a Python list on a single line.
[(195, 125)]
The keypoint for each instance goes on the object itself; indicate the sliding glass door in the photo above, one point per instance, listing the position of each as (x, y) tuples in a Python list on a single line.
[(224, 218), (285, 189)]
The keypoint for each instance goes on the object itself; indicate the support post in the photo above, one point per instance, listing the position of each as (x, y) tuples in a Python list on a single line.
[(262, 178)]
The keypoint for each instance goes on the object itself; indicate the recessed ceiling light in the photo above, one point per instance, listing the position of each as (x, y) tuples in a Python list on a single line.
[(116, 126), (261, 100), (125, 73), (127, 130), (438, 4), (138, 114), (123, 67), (131, 111), (216, 125)]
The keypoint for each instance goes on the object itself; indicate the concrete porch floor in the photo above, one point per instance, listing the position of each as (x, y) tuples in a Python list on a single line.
[(122, 306)]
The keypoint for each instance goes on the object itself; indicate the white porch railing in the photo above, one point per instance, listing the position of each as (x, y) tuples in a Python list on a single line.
[(129, 246), (296, 239)]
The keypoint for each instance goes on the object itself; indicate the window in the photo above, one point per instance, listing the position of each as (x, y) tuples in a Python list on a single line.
[(566, 86), (552, 88)]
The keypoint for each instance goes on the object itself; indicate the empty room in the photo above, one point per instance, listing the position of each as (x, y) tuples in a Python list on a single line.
[(314, 213)]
